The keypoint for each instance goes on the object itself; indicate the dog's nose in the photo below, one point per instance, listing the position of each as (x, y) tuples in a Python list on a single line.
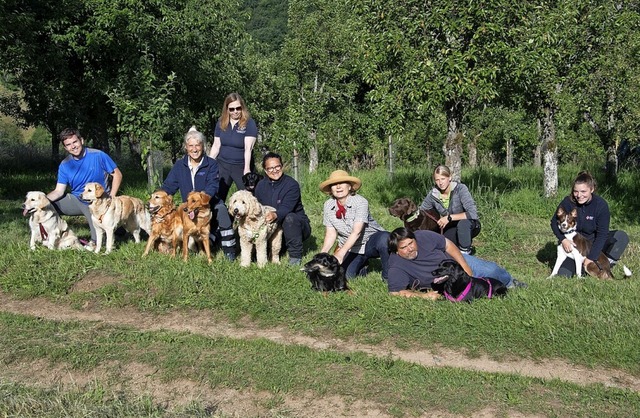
[(235, 210)]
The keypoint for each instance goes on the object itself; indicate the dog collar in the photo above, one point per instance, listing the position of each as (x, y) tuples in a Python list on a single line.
[(413, 216), (462, 295), (569, 231)]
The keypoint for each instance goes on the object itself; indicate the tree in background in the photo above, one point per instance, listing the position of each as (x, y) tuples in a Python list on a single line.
[(67, 58), (436, 57)]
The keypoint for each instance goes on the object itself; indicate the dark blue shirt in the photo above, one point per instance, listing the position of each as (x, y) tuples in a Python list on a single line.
[(206, 179), (282, 194)]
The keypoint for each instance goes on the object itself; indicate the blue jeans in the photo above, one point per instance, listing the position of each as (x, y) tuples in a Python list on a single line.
[(375, 247), (484, 268)]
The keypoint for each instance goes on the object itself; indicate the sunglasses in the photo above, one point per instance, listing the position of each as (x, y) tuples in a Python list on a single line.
[(235, 109), (274, 168)]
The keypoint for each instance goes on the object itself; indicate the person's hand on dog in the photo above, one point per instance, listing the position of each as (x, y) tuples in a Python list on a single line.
[(442, 222), (271, 217), (567, 245)]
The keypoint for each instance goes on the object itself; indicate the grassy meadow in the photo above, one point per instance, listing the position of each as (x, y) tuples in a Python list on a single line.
[(589, 323)]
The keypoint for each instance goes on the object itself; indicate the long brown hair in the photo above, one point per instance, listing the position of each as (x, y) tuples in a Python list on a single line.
[(224, 116)]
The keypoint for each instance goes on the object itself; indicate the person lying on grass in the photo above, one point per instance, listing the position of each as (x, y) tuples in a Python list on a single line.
[(415, 255)]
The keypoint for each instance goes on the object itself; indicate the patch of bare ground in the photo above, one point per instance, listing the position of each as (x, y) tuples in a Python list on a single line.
[(142, 380)]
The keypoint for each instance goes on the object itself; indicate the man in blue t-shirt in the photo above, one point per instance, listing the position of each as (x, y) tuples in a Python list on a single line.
[(415, 255), (83, 165)]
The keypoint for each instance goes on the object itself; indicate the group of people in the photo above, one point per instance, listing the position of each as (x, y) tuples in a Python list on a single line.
[(408, 258)]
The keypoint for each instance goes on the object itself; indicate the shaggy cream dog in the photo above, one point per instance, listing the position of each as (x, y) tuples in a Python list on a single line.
[(46, 225), (254, 230)]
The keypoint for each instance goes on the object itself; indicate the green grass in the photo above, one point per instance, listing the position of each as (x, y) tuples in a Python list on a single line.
[(586, 322), (397, 387)]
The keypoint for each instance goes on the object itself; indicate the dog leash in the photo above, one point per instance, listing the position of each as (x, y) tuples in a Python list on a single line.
[(43, 232), (462, 295), (415, 215)]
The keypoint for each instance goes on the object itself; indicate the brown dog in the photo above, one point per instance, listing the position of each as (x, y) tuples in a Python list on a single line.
[(196, 218), (415, 219), (108, 213), (166, 224)]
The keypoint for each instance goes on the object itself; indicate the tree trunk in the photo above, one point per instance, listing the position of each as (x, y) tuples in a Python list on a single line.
[(612, 161), (296, 174), (313, 152), (550, 153), (537, 151), (391, 156), (472, 150), (509, 162), (452, 147)]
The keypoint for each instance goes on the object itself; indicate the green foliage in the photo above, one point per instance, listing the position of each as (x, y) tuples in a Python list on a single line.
[(268, 22)]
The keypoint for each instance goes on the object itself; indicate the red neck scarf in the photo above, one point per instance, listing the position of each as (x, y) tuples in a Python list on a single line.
[(341, 212)]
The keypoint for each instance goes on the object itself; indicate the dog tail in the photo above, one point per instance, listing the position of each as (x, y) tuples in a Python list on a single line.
[(627, 271)]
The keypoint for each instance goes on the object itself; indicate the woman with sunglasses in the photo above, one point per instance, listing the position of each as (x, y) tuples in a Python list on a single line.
[(233, 141)]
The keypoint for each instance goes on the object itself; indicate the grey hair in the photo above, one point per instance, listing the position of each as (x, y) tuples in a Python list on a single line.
[(194, 133)]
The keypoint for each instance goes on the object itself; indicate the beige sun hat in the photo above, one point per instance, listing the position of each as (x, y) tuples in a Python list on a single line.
[(340, 176)]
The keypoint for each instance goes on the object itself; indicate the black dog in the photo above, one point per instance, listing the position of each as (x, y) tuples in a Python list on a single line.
[(458, 286), (250, 181), (325, 273)]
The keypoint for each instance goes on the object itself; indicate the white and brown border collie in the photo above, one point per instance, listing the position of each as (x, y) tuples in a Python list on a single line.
[(600, 269)]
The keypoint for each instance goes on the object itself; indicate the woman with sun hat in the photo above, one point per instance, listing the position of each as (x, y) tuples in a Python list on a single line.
[(347, 219)]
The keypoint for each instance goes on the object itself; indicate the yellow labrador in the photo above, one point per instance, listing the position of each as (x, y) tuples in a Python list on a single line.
[(108, 213), (46, 225)]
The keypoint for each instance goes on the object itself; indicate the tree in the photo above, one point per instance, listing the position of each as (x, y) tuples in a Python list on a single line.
[(436, 56), (67, 57), (317, 67), (606, 80)]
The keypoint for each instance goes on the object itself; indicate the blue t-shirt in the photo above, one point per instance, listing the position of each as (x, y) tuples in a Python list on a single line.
[(232, 141), (417, 274), (93, 166)]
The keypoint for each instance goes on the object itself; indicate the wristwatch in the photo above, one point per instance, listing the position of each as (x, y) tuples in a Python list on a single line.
[(449, 218)]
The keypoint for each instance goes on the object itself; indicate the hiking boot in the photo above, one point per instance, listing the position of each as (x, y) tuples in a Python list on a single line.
[(293, 261), (516, 283)]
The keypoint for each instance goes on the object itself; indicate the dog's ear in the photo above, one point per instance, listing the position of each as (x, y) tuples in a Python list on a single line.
[(205, 198), (411, 207), (560, 211), (99, 190), (574, 212)]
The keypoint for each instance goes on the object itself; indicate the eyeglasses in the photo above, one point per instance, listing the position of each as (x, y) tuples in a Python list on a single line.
[(274, 168), (235, 109)]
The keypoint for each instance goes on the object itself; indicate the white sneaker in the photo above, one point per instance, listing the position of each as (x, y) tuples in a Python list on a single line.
[(90, 246)]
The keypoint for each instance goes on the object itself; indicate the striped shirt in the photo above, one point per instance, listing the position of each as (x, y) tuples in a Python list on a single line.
[(357, 208)]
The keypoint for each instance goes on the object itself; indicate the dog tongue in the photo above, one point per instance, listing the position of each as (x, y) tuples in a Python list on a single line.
[(192, 215), (25, 211)]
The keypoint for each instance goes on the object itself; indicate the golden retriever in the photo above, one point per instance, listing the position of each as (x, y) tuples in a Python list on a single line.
[(166, 224), (196, 217), (46, 225), (108, 213), (254, 230)]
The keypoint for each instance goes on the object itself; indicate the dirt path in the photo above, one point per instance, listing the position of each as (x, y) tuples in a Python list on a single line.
[(197, 323)]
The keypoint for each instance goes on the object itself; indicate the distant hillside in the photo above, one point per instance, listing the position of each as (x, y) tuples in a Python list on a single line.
[(268, 23)]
